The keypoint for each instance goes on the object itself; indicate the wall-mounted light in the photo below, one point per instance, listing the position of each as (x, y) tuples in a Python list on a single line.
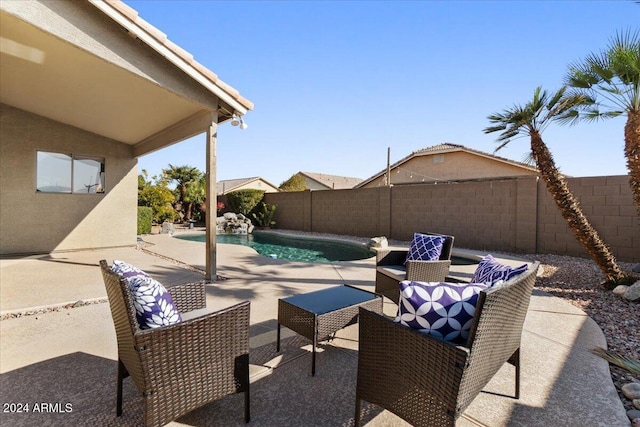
[(238, 120)]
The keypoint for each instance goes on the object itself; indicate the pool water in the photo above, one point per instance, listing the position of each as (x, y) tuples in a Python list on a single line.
[(291, 248)]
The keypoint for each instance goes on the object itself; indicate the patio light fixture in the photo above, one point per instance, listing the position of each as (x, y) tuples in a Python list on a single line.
[(243, 125), (238, 120)]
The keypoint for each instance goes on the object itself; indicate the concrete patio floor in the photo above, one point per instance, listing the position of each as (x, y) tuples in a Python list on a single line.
[(69, 356)]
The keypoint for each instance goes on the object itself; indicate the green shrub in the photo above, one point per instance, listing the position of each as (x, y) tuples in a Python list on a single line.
[(243, 201), (145, 216), (297, 182), (264, 215), (159, 198)]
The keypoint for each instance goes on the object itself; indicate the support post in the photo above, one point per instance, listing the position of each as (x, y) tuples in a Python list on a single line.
[(211, 198)]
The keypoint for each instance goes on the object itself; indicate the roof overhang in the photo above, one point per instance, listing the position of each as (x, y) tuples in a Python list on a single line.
[(46, 74)]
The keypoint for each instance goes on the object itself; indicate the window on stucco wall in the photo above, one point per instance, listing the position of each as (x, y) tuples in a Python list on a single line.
[(67, 173)]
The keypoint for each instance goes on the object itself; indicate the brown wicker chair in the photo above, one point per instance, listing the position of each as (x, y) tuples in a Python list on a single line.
[(180, 367), (429, 382), (390, 268)]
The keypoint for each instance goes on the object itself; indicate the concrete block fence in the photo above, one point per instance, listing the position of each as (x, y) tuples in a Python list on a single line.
[(507, 214)]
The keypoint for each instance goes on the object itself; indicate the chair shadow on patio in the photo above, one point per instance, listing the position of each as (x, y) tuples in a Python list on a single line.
[(288, 396), (283, 392)]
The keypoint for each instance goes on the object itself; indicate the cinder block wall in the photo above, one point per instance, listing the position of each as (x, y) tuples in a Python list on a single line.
[(492, 215), (293, 210), (514, 215), (608, 204), (345, 212)]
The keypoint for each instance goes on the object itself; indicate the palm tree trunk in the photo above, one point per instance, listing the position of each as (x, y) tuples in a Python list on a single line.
[(632, 153), (189, 210), (572, 212)]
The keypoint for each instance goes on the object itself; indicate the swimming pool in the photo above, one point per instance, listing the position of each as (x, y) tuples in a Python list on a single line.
[(292, 248)]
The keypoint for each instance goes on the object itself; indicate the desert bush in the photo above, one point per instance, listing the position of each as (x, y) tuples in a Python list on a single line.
[(243, 201)]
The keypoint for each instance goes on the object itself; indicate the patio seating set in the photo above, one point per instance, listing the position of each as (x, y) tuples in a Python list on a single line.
[(426, 365)]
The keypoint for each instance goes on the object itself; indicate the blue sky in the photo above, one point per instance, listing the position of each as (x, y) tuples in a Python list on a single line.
[(335, 83)]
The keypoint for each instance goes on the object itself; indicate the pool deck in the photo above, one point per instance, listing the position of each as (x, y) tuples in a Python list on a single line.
[(69, 355)]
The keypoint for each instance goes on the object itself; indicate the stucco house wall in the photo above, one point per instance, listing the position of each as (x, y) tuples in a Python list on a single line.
[(43, 222), (256, 184), (95, 79), (453, 166), (314, 185)]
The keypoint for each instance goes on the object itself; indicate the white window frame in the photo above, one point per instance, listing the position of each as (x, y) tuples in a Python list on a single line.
[(95, 187)]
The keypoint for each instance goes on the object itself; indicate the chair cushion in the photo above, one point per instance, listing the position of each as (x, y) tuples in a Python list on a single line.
[(154, 305), (490, 271), (398, 272), (443, 310), (425, 247)]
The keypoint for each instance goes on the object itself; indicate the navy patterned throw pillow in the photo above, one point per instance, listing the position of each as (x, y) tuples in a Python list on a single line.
[(490, 271), (154, 305), (425, 247), (444, 310)]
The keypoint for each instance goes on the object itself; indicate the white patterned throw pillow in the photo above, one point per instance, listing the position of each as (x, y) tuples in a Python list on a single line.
[(490, 271), (126, 270), (154, 305), (444, 310), (425, 247)]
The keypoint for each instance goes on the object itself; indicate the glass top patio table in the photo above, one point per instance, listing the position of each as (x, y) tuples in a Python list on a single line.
[(331, 299)]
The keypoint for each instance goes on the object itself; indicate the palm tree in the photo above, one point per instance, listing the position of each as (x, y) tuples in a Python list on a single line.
[(613, 78), (184, 176), (532, 120), (196, 194)]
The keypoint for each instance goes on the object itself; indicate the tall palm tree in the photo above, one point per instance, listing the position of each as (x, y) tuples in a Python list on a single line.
[(184, 176), (531, 120), (612, 77)]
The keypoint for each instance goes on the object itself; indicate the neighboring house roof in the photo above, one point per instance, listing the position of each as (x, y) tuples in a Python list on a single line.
[(332, 182), (229, 185), (447, 148), (130, 83)]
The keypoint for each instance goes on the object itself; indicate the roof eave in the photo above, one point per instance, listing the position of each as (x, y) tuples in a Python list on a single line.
[(127, 17)]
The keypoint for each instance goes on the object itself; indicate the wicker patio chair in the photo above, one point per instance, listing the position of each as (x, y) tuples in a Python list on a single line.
[(391, 268), (430, 382), (180, 367)]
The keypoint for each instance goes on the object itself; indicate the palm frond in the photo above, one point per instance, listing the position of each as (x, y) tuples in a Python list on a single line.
[(492, 129), (519, 120), (630, 365), (529, 160), (501, 146), (571, 117), (612, 74), (580, 76), (600, 66), (556, 97)]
